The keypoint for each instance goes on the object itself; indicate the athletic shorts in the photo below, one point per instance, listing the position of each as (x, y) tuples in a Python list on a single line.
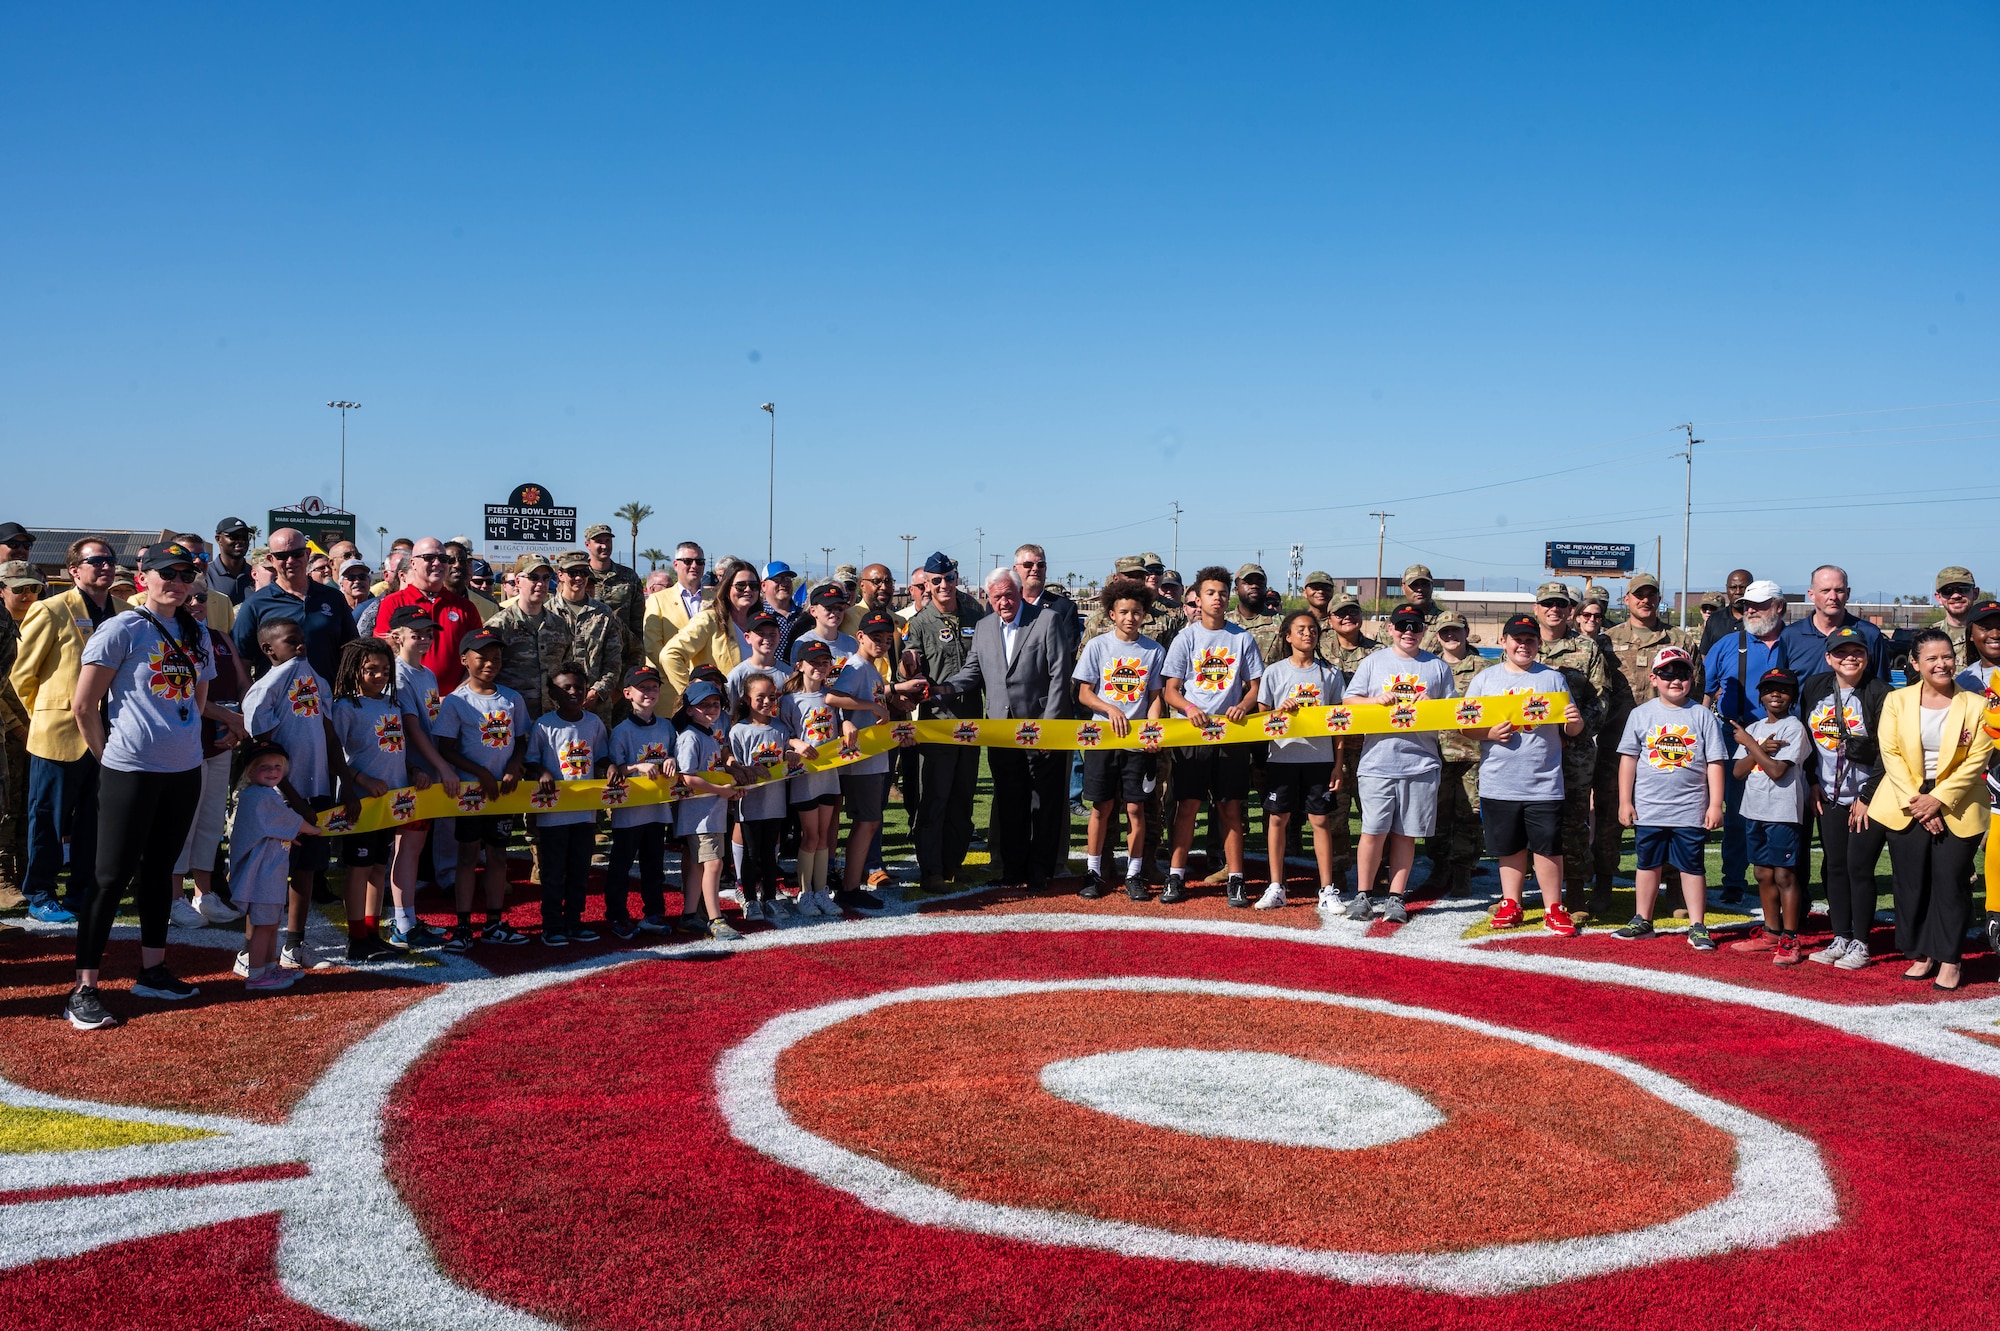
[(1212, 772), (310, 854), (1683, 847), (490, 829), (1771, 845), (1398, 805), (865, 796), (1290, 787), (368, 850), (706, 847), (1118, 774), (1512, 826), (264, 914), (826, 801)]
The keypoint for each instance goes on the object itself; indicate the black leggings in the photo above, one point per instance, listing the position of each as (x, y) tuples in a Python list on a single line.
[(1849, 870), (760, 857), (648, 844), (142, 823), (1933, 891)]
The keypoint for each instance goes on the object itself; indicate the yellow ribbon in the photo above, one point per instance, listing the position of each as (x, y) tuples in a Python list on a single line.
[(1524, 710)]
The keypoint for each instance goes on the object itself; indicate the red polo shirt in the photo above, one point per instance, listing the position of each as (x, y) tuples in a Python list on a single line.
[(456, 619)]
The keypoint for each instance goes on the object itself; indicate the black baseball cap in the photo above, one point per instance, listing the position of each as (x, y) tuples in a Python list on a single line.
[(13, 532), (166, 554), (1521, 626), (1406, 616), (1778, 678), (815, 647), (230, 526), (480, 641), (763, 620), (1985, 609), (1849, 636), (829, 593), (642, 677), (412, 617), (877, 621)]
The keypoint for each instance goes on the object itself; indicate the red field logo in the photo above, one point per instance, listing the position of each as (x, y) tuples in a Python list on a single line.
[(1211, 729)]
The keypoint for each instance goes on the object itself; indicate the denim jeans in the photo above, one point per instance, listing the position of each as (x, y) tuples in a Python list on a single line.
[(62, 802)]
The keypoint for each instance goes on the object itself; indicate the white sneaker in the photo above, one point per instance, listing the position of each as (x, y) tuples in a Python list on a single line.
[(185, 916), (1273, 898), (1329, 898), (215, 910), (1831, 953), (734, 894), (292, 958), (824, 903), (242, 966), (1854, 958)]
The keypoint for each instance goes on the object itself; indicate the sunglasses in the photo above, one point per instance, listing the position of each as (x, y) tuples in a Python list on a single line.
[(198, 597), (1675, 672), (695, 563), (300, 553), (1029, 563), (1553, 605), (433, 558), (176, 574), (536, 578), (1408, 625), (99, 561), (1956, 589)]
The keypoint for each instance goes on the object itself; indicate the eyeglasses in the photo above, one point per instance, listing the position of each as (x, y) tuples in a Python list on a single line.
[(197, 597), (99, 561), (299, 553), (537, 578), (1031, 563), (176, 574), (692, 563), (433, 558)]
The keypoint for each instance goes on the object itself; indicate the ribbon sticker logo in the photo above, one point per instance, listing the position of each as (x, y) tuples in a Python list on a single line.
[(1212, 730), (471, 799), (337, 821), (1470, 712), (1028, 734), (901, 731), (1403, 715), (1339, 720), (1088, 734), (545, 799), (965, 732), (1534, 709), (612, 796), (849, 749), (1152, 733), (403, 805), (1277, 724)]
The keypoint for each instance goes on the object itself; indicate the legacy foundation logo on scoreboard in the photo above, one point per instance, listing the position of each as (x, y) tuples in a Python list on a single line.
[(529, 523)]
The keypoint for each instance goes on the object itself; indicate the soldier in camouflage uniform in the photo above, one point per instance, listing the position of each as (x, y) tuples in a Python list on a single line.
[(1583, 665), (1457, 845), (1417, 585), (1629, 648), (1343, 648), (598, 639), (534, 637), (617, 585), (1253, 610), (1956, 591), (20, 587)]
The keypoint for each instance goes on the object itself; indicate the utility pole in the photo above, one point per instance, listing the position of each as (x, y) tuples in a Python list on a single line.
[(344, 407), (1381, 535), (906, 557), (979, 564), (771, 491), (828, 551), (1177, 535), (1292, 584), (1687, 514)]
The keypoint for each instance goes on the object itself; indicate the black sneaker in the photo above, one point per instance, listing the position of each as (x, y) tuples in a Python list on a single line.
[(623, 929), (85, 1012), (159, 982), (583, 933), (1732, 896), (1135, 887), (1641, 927), (367, 951), (1238, 895), (1176, 891), (499, 931), (858, 900), (1093, 885), (460, 939)]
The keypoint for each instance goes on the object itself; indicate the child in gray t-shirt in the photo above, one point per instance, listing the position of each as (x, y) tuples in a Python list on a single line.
[(1670, 762), (1768, 755)]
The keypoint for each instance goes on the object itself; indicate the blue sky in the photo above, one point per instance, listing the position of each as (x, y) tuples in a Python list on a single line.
[(1041, 271)]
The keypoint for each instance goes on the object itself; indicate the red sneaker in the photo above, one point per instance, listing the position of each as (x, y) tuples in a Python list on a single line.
[(1758, 941), (1506, 915), (1789, 953), (1557, 921)]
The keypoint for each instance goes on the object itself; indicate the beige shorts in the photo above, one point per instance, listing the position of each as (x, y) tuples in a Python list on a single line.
[(707, 846)]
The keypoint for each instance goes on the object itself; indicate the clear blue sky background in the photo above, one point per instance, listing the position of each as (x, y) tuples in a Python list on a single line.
[(1037, 269)]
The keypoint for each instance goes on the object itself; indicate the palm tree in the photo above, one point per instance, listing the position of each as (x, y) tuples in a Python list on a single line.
[(654, 556), (635, 513)]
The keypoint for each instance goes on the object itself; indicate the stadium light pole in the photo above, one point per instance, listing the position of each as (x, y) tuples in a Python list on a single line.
[(1381, 533), (344, 407), (1687, 514), (906, 558), (771, 496), (1177, 534)]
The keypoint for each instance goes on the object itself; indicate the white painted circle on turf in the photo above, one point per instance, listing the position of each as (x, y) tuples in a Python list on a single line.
[(1246, 1095)]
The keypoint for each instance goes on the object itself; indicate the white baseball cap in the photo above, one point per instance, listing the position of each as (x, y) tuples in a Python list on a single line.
[(1763, 590)]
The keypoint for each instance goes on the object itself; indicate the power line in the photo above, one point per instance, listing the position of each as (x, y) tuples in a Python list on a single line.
[(1870, 411)]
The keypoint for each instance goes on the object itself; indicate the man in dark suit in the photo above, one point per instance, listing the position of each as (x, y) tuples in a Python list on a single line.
[(1021, 658)]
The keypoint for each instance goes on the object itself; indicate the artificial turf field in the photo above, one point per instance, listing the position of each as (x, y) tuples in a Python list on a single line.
[(996, 1108)]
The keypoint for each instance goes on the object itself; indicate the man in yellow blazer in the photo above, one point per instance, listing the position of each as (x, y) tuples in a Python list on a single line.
[(669, 609), (62, 775)]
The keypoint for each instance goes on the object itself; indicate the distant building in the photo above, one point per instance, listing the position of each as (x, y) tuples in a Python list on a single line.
[(51, 548), (1391, 589)]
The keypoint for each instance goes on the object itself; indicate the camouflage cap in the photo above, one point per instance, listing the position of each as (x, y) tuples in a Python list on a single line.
[(570, 559), (1321, 578), (1344, 601), (1129, 564), (1171, 577), (1953, 575), (1251, 571), (847, 573), (1552, 590), (1712, 600), (1417, 573), (529, 563), (1153, 562), (1639, 582), (598, 529), (1596, 596), (1450, 619), (18, 573)]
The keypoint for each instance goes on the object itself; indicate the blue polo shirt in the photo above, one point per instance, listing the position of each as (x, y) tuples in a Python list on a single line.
[(1720, 673), (1805, 647), (322, 615)]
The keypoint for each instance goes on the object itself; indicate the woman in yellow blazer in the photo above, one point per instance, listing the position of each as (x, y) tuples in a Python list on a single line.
[(1933, 801), (713, 637)]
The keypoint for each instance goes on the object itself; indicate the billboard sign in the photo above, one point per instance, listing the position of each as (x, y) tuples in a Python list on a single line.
[(324, 525), (1589, 557)]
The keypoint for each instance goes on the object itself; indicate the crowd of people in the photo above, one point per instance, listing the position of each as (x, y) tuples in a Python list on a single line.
[(175, 734)]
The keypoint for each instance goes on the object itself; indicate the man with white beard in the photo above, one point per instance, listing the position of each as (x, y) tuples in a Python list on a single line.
[(1742, 655)]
